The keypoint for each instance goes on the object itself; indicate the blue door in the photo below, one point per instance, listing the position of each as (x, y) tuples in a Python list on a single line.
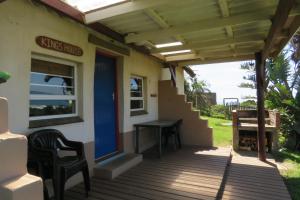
[(104, 106)]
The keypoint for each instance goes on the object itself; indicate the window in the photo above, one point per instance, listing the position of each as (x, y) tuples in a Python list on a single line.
[(52, 89), (137, 97)]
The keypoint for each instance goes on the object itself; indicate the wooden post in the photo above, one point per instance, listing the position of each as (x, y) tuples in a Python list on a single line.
[(260, 80), (173, 74)]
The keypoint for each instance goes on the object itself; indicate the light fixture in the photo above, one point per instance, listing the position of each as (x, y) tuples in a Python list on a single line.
[(171, 44), (87, 5), (175, 52)]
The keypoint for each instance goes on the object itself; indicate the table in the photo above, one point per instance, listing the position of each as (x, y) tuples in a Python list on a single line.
[(158, 125)]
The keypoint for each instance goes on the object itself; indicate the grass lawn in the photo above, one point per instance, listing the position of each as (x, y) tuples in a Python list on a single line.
[(290, 171), (222, 132)]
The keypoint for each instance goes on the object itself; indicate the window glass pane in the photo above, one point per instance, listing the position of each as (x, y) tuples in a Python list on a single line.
[(50, 90), (45, 79), (136, 104), (51, 107), (46, 67), (136, 87)]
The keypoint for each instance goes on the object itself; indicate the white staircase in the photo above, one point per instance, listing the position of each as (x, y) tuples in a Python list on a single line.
[(15, 182)]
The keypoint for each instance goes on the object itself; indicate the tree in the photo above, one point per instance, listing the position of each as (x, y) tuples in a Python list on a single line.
[(250, 78), (195, 91), (282, 85)]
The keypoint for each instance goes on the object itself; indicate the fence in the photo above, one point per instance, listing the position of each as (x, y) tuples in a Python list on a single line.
[(239, 107)]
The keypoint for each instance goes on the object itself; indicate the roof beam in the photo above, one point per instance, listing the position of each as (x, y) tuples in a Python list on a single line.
[(211, 43), (156, 18), (216, 60), (225, 13), (200, 26), (128, 7), (208, 55), (281, 15), (295, 24), (189, 71), (161, 22)]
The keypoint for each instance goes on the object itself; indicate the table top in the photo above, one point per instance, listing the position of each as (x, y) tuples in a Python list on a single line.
[(157, 123)]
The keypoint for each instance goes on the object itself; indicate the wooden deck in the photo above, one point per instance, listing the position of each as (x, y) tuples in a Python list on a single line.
[(249, 178), (189, 174), (186, 174)]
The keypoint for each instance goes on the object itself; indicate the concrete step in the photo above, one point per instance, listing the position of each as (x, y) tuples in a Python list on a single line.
[(118, 166), (22, 187), (13, 155)]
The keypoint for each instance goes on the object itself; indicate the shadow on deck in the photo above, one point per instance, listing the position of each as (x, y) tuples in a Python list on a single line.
[(189, 173), (249, 178)]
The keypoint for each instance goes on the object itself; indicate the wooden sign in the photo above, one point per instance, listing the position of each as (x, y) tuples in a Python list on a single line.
[(57, 45)]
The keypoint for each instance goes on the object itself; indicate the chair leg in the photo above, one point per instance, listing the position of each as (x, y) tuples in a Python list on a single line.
[(178, 138), (166, 140), (45, 190), (62, 188), (86, 178), (56, 187), (175, 142)]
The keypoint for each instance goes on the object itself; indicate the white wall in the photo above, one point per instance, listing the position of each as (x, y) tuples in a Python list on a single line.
[(140, 65), (21, 22), (166, 75), (180, 80)]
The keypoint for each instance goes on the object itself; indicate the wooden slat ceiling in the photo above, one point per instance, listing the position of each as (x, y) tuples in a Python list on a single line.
[(214, 30)]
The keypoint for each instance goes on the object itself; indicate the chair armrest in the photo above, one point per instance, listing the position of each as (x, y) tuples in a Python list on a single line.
[(67, 148), (73, 146)]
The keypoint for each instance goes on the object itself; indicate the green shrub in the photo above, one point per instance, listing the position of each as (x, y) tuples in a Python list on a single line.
[(220, 111)]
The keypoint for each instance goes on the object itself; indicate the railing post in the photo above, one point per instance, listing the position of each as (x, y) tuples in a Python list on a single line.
[(260, 80)]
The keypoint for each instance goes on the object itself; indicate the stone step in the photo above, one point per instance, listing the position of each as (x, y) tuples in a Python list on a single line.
[(22, 187), (13, 155), (118, 166)]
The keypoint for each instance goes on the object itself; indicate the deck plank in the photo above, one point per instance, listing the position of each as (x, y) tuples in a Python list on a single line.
[(191, 174), (249, 178), (187, 174)]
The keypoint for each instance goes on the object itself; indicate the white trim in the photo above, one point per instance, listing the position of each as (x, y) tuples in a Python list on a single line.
[(56, 97), (55, 60), (53, 74), (45, 85), (52, 116), (52, 97), (137, 98)]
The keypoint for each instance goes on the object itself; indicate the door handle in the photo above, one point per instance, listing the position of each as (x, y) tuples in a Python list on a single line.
[(113, 96)]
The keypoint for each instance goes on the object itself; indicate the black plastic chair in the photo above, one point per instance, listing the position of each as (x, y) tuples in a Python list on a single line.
[(173, 132), (43, 152)]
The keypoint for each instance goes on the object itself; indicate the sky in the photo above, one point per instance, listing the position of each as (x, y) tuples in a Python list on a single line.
[(224, 78)]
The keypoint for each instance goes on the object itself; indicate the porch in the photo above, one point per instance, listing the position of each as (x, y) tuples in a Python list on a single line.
[(191, 173), (137, 38)]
